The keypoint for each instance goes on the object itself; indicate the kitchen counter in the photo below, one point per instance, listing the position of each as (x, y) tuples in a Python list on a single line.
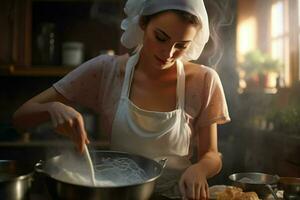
[(39, 150), (39, 192)]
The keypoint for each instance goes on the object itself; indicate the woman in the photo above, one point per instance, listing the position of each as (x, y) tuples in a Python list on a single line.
[(154, 103)]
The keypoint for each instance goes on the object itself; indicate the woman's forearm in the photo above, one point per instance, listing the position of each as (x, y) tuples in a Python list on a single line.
[(210, 164), (36, 110), (30, 115)]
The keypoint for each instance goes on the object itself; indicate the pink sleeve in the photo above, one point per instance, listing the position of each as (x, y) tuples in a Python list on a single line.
[(83, 84), (213, 107)]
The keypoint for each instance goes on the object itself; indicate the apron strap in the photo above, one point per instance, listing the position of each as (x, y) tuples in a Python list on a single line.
[(132, 61), (180, 84)]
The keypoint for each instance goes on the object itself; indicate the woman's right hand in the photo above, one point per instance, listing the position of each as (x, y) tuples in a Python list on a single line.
[(69, 122)]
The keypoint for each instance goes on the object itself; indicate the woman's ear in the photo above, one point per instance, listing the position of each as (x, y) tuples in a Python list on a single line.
[(142, 23)]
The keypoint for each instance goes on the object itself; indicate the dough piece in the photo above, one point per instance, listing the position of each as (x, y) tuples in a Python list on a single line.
[(229, 193), (235, 193), (246, 196)]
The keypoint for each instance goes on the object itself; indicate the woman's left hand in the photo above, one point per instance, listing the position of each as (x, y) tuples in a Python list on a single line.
[(193, 184)]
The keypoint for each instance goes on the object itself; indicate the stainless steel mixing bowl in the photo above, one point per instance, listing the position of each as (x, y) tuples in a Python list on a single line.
[(261, 183), (63, 189), (15, 179)]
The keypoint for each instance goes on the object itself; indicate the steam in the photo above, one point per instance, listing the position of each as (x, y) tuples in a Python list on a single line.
[(220, 16), (102, 12)]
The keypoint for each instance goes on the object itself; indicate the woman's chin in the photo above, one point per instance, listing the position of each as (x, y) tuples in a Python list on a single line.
[(164, 65)]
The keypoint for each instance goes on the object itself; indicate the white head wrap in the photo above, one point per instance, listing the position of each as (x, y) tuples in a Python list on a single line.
[(133, 34)]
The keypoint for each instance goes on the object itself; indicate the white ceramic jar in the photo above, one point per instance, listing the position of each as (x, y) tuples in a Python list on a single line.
[(72, 53)]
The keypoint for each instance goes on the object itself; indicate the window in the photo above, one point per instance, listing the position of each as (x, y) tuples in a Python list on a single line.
[(285, 37), (273, 28), (298, 39), (280, 37)]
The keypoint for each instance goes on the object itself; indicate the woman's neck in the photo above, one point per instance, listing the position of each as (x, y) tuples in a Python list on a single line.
[(154, 72)]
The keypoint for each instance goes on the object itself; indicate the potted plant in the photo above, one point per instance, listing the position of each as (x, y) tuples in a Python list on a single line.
[(286, 120), (259, 69), (271, 69), (285, 112)]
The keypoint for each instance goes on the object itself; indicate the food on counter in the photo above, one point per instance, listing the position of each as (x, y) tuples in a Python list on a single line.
[(215, 190), (229, 193), (235, 193), (246, 196)]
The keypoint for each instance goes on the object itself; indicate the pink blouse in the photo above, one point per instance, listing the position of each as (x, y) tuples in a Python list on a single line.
[(97, 85)]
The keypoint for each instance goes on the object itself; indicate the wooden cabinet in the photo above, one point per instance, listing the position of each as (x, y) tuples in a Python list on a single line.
[(15, 18), (95, 24)]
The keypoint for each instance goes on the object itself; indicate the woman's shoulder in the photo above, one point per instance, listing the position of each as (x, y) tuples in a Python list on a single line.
[(105, 63), (121, 62), (199, 71), (105, 59)]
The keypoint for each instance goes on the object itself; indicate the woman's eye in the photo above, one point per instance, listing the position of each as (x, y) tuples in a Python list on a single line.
[(181, 46), (159, 38)]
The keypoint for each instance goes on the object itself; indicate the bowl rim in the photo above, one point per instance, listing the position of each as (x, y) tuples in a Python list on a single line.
[(26, 171), (272, 182)]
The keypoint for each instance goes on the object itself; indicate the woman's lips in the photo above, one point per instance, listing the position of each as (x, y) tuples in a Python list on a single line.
[(161, 60)]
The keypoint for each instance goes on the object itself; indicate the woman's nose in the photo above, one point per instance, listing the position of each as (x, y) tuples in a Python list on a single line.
[(169, 52)]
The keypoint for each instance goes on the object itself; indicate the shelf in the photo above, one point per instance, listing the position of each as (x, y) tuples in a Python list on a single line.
[(12, 70), (89, 1)]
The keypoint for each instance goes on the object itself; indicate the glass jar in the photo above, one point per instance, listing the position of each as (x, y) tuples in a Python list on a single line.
[(47, 45)]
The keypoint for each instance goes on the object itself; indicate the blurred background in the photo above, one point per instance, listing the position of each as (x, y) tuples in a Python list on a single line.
[(254, 47)]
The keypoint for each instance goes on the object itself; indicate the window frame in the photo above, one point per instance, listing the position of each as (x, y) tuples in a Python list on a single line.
[(290, 37), (294, 39), (263, 37), (282, 38)]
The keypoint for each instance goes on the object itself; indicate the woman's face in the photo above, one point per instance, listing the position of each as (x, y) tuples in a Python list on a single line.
[(166, 37)]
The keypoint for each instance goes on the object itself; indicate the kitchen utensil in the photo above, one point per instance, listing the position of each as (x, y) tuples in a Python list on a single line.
[(290, 187), (261, 183), (15, 179), (63, 189), (90, 164)]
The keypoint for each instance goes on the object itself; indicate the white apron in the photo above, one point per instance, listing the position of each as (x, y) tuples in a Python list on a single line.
[(153, 134)]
